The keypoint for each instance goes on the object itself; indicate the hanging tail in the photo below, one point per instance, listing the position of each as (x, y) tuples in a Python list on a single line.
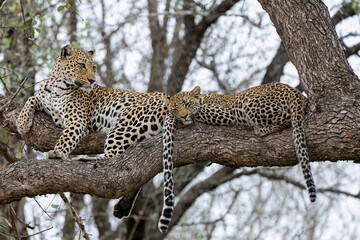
[(168, 151), (297, 116)]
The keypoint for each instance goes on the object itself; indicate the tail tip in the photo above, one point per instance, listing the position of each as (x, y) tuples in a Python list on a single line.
[(163, 228), (312, 198)]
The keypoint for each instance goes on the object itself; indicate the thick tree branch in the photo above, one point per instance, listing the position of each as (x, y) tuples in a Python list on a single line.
[(331, 136)]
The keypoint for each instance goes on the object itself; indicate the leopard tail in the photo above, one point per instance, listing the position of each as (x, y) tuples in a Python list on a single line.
[(297, 116), (168, 151)]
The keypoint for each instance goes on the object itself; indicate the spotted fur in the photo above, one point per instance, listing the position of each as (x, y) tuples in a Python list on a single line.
[(78, 105), (267, 108)]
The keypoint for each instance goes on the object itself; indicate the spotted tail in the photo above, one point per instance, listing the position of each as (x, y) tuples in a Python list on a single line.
[(301, 150), (168, 151)]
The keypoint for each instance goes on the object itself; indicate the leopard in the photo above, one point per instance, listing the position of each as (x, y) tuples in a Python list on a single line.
[(267, 109), (78, 105)]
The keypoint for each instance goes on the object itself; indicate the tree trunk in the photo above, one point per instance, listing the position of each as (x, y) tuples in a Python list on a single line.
[(159, 47), (73, 22)]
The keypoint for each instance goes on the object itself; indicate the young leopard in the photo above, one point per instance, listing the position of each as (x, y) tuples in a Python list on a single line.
[(78, 105), (267, 108)]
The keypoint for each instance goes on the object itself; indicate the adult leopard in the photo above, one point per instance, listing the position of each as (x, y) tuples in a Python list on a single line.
[(75, 103), (267, 108)]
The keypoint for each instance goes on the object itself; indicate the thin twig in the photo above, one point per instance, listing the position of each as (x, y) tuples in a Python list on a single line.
[(42, 208), (12, 222), (7, 90), (15, 94), (22, 11), (19, 219), (76, 217), (10, 70), (281, 177), (36, 83), (20, 236)]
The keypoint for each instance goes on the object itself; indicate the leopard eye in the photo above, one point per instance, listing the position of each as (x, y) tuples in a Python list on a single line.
[(82, 65)]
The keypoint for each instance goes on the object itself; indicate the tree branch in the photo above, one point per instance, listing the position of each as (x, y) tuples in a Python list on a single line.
[(331, 136)]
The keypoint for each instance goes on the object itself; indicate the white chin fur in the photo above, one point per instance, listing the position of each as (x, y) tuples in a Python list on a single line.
[(188, 122), (87, 89)]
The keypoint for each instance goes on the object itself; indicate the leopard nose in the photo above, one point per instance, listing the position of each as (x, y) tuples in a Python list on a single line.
[(184, 116), (91, 80)]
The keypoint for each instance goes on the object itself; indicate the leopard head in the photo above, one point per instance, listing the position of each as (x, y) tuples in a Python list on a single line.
[(76, 67), (185, 105)]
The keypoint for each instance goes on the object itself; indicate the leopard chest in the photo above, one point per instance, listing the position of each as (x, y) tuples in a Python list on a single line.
[(53, 105)]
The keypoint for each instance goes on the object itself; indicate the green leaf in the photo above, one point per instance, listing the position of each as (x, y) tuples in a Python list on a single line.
[(60, 8), (8, 40), (37, 29), (32, 32), (41, 15), (18, 155), (24, 26), (4, 132), (354, 5), (33, 22), (56, 206)]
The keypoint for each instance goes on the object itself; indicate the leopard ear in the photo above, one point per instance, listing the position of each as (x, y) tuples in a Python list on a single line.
[(166, 100), (195, 92), (67, 51), (91, 53)]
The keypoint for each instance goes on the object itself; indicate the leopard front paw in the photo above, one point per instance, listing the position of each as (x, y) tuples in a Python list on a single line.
[(54, 154), (23, 126)]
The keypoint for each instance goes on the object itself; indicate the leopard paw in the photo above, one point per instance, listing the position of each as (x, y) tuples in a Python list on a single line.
[(23, 126), (54, 154)]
